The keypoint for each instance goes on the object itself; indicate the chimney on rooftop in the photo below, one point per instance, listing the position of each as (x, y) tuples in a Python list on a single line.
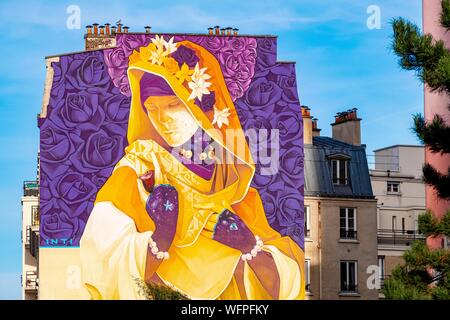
[(99, 37), (95, 28), (210, 31), (217, 30), (347, 127), (108, 29), (147, 29), (315, 128), (119, 27), (125, 29), (310, 128), (307, 125), (235, 31)]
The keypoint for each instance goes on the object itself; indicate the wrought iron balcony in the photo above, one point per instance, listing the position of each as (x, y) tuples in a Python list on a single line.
[(398, 237), (31, 282), (30, 188)]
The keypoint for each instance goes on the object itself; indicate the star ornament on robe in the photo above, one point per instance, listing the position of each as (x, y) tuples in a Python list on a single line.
[(221, 117), (168, 206)]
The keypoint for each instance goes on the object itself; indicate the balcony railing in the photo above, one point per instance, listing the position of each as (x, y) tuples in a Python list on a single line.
[(31, 282), (30, 188), (398, 237)]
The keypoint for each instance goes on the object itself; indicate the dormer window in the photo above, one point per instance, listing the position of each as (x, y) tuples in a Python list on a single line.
[(339, 171)]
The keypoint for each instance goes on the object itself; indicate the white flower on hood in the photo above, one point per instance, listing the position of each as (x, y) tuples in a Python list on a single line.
[(221, 116)]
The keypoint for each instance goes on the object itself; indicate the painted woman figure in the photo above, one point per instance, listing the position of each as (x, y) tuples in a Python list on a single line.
[(178, 208)]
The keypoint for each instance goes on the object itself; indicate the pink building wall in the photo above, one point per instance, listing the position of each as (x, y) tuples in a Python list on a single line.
[(435, 103)]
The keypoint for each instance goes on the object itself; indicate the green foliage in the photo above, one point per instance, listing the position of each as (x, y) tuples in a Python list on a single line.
[(441, 293), (431, 226), (395, 289), (422, 54), (430, 59), (445, 16), (441, 182), (436, 134), (152, 291), (426, 273), (428, 224), (445, 225), (415, 281)]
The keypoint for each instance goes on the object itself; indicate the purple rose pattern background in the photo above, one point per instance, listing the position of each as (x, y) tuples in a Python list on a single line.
[(84, 134)]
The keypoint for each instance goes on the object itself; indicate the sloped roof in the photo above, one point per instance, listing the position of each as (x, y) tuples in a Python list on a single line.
[(318, 180)]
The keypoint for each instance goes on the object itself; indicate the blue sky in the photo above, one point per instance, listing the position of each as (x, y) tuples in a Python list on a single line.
[(341, 64)]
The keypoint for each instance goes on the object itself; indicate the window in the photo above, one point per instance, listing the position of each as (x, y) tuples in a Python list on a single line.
[(339, 170), (381, 269), (308, 275), (393, 187), (307, 221), (394, 223), (349, 280), (403, 225), (347, 223)]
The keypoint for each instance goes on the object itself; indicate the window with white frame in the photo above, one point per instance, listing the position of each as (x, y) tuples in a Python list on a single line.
[(347, 223), (339, 171), (393, 187), (307, 222), (349, 277), (308, 275)]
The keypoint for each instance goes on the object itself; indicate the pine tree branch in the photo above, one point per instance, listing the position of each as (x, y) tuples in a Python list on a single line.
[(445, 15), (421, 53), (439, 181), (435, 134)]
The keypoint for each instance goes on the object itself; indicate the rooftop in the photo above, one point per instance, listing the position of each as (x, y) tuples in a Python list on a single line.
[(319, 176), (164, 33), (400, 145)]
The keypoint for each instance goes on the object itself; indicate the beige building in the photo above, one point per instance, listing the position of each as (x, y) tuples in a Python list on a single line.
[(398, 186), (340, 212), (30, 240)]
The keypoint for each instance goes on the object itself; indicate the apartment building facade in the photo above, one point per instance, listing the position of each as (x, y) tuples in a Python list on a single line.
[(30, 240), (398, 186), (340, 212)]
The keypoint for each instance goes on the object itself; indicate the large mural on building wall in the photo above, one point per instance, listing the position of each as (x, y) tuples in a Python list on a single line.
[(170, 156)]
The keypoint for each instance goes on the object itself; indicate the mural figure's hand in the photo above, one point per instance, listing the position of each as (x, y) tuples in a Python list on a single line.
[(162, 207), (231, 231)]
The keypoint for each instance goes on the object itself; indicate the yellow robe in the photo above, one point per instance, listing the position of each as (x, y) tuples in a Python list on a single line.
[(114, 244)]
